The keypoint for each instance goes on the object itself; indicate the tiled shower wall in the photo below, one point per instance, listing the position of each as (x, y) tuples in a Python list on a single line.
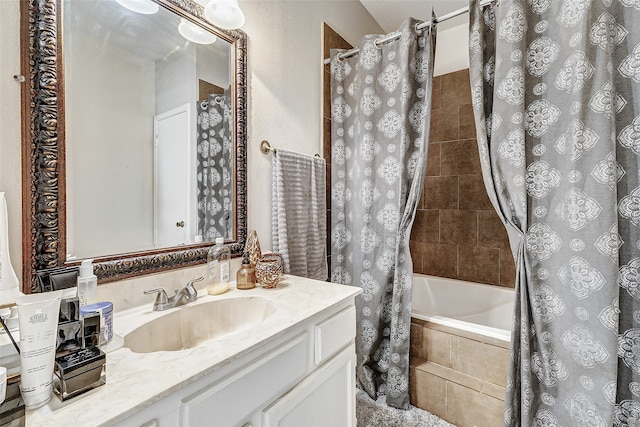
[(456, 232)]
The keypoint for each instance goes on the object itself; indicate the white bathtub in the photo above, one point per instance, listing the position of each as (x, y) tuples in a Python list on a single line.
[(472, 307)]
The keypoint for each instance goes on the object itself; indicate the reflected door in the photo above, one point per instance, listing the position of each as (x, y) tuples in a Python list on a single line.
[(171, 177)]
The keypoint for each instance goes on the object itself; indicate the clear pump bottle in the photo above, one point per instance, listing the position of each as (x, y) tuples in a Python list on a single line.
[(218, 260), (87, 283)]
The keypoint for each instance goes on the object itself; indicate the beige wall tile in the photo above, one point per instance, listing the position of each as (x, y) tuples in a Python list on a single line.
[(497, 342), (418, 321), (480, 360), (469, 408), (493, 390), (451, 375), (417, 348), (438, 346), (429, 393), (471, 335), (454, 331)]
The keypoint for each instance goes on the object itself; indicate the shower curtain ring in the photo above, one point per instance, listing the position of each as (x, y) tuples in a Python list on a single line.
[(375, 43)]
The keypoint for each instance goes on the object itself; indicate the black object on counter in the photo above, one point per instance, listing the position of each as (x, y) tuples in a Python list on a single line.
[(69, 310), (70, 335), (53, 279), (79, 372), (91, 330), (12, 409)]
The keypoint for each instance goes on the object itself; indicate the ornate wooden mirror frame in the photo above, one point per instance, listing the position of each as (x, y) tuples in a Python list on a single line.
[(43, 150)]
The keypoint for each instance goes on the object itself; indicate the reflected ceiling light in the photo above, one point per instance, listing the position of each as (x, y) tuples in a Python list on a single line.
[(194, 33), (146, 7), (224, 14)]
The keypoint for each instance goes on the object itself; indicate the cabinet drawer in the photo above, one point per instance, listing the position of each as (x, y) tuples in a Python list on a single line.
[(333, 334), (229, 401)]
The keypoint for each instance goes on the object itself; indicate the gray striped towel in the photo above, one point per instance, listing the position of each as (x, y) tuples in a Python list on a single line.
[(299, 213)]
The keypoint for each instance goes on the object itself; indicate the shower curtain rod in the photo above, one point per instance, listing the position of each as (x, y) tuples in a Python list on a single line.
[(396, 35)]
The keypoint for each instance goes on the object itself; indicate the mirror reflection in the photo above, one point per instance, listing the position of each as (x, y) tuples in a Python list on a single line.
[(149, 142)]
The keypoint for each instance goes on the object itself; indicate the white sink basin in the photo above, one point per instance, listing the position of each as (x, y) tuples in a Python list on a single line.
[(190, 325)]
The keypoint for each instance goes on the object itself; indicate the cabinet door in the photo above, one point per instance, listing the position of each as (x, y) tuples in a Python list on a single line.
[(324, 398), (226, 403)]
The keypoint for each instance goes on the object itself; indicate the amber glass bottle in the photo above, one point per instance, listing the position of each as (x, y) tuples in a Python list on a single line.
[(246, 276)]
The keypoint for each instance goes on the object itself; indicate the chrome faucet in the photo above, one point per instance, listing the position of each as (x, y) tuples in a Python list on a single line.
[(183, 296)]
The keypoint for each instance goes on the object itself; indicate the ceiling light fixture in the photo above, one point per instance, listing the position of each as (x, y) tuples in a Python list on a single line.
[(224, 14), (194, 33), (146, 7)]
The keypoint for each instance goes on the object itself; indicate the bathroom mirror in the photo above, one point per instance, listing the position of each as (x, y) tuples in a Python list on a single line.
[(134, 148)]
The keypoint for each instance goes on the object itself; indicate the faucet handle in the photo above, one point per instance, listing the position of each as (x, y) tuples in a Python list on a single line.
[(191, 282), (162, 295)]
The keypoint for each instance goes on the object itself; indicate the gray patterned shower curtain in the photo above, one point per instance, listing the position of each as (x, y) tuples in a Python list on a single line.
[(214, 167), (556, 92), (381, 106)]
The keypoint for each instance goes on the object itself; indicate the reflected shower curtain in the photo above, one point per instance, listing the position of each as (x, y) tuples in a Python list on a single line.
[(381, 105), (214, 167), (556, 91)]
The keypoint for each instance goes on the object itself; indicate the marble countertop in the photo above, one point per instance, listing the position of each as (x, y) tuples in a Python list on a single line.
[(137, 380)]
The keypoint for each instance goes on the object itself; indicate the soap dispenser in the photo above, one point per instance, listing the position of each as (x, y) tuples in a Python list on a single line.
[(87, 283), (246, 276)]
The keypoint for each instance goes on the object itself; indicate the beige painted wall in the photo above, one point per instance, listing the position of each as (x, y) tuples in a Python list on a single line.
[(285, 97), (285, 85), (452, 50)]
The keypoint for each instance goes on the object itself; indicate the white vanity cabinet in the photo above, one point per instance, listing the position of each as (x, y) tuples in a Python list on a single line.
[(292, 367), (306, 377)]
